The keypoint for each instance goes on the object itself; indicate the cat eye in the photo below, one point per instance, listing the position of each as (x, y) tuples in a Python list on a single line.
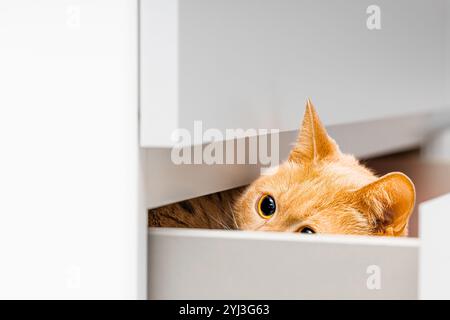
[(307, 230), (266, 206)]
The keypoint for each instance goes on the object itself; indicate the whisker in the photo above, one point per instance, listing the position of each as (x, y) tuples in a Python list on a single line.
[(233, 215), (220, 223), (256, 229)]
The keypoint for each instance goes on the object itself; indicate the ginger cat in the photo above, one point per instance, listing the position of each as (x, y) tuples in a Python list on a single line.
[(317, 190)]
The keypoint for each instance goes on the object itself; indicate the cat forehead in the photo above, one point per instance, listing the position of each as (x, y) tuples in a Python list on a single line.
[(348, 173)]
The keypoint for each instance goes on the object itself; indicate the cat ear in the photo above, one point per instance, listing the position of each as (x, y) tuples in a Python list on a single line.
[(388, 201), (313, 142)]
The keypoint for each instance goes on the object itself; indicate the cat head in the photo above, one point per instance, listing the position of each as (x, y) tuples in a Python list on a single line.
[(321, 190)]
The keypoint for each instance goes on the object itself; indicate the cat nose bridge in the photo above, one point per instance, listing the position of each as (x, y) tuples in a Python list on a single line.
[(295, 218)]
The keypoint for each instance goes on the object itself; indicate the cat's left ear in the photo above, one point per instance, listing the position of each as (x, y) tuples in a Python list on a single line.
[(313, 142), (388, 202)]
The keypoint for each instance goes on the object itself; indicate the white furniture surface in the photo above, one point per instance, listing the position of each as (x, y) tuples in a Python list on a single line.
[(72, 216), (247, 64), (434, 253), (205, 264)]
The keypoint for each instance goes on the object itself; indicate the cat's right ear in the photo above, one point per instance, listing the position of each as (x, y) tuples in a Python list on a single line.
[(388, 203), (313, 142)]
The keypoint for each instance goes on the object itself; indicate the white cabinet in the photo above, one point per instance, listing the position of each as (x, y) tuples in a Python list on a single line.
[(86, 83), (251, 64)]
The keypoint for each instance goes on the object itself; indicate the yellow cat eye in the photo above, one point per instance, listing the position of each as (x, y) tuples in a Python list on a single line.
[(266, 206)]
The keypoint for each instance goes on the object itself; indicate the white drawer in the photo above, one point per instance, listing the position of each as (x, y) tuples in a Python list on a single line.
[(218, 264), (205, 264), (251, 64)]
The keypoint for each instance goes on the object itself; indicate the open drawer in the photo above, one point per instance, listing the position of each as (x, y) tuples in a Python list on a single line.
[(206, 264), (218, 264)]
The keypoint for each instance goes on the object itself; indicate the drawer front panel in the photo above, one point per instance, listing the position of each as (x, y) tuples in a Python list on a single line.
[(190, 264), (251, 64)]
